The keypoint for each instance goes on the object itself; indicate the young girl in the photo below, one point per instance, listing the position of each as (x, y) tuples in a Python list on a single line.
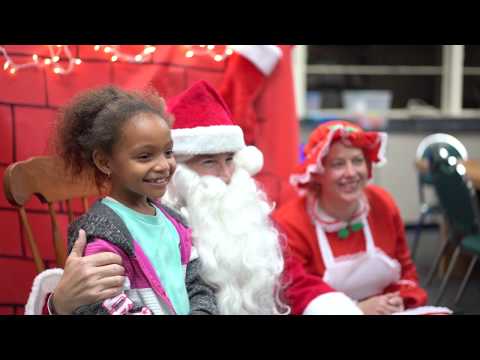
[(124, 139)]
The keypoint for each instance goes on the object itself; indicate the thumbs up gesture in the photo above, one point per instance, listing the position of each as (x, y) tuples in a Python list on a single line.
[(87, 279)]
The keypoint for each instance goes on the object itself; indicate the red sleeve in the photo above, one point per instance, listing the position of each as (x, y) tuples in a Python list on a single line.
[(410, 290), (302, 287)]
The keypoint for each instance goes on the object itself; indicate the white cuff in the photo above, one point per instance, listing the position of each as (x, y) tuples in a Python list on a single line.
[(193, 254), (264, 57), (44, 283), (426, 310), (332, 303)]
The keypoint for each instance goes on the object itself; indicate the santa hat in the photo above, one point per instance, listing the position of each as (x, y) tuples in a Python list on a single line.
[(203, 126), (372, 143)]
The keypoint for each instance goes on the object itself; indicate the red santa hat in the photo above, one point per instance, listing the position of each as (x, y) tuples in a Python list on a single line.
[(372, 143), (203, 126)]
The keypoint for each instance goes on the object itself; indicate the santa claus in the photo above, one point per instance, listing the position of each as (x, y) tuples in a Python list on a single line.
[(238, 247)]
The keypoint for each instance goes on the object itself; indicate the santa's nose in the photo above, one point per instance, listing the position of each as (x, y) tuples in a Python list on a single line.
[(225, 172)]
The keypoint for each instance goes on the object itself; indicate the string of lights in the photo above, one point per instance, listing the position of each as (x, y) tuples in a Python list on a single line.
[(115, 54), (216, 52), (62, 52), (53, 60)]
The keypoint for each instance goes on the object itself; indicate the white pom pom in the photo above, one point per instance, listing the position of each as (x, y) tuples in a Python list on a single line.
[(249, 158)]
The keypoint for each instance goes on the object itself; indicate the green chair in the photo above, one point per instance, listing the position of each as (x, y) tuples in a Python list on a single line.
[(424, 152), (458, 200)]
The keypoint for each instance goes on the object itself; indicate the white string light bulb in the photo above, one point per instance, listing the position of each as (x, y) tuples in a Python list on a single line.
[(61, 61), (117, 55), (209, 50), (56, 53)]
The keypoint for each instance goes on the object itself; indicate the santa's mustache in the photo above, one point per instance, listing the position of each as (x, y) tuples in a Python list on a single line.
[(188, 185)]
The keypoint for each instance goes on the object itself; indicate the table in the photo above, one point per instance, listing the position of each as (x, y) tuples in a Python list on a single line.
[(472, 168)]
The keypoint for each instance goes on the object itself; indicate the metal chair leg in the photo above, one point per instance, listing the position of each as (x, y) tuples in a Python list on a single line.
[(465, 279), (447, 275), (435, 263), (418, 232)]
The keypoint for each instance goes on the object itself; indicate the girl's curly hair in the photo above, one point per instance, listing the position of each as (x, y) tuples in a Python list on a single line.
[(94, 120)]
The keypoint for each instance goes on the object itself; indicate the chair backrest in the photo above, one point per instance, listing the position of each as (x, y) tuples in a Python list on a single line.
[(430, 144), (46, 178), (455, 193)]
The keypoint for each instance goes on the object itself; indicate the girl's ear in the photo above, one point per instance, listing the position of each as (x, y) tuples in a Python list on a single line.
[(101, 161)]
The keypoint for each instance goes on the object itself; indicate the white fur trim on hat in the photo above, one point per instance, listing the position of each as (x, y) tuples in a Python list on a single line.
[(249, 158), (264, 57), (317, 166), (43, 284), (207, 140), (332, 303)]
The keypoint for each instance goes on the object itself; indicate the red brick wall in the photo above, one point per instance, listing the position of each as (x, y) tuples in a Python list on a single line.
[(29, 101)]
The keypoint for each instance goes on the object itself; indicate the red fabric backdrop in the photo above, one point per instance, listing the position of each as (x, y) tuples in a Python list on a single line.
[(29, 101)]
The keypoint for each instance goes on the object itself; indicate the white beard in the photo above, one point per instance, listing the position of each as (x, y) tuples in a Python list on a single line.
[(238, 246)]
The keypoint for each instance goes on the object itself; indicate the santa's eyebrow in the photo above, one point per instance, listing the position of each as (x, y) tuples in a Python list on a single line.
[(207, 156)]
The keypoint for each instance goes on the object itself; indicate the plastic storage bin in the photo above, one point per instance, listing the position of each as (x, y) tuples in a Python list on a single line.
[(367, 101)]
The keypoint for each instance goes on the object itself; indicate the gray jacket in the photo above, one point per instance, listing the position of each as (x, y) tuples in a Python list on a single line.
[(102, 222)]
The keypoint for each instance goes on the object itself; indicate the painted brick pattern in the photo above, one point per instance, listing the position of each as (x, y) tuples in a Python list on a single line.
[(25, 87), (6, 129), (29, 101)]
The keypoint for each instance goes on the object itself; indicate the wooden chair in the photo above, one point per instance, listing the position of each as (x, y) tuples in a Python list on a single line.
[(46, 178)]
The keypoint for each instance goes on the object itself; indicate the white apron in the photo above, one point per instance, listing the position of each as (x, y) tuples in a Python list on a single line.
[(360, 275)]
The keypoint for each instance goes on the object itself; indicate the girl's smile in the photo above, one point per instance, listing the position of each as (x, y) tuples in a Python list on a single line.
[(142, 162)]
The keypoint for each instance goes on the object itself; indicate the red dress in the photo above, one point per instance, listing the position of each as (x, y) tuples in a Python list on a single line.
[(388, 232)]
